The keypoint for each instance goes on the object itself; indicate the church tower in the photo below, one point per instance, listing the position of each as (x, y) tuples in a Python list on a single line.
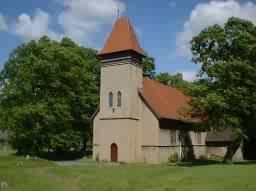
[(121, 72), (116, 125)]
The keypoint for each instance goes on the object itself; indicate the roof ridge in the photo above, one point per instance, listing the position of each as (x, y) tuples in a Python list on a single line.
[(164, 85), (129, 31)]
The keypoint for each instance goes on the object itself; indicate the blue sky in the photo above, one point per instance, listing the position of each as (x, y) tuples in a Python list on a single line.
[(164, 27)]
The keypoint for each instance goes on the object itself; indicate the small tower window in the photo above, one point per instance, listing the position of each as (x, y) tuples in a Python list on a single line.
[(119, 99), (110, 99)]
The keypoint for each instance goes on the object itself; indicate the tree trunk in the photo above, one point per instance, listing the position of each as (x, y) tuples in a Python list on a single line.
[(232, 148), (84, 148)]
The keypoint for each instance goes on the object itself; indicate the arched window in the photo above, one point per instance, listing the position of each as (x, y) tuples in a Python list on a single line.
[(119, 99), (110, 99)]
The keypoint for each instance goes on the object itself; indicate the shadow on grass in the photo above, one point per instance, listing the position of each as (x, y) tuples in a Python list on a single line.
[(58, 156), (62, 156), (213, 162), (246, 162), (198, 163)]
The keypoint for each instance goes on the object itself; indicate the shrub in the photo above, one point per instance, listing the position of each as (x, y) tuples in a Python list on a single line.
[(203, 157), (97, 158), (228, 161), (173, 158), (216, 158)]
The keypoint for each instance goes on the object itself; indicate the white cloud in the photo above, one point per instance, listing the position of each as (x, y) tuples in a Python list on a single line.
[(189, 75), (34, 27), (210, 13), (78, 19), (81, 18), (3, 24)]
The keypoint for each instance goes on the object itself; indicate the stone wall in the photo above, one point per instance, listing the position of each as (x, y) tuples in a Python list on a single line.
[(150, 154), (219, 151)]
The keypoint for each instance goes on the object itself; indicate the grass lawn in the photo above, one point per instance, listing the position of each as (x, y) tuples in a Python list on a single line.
[(38, 175)]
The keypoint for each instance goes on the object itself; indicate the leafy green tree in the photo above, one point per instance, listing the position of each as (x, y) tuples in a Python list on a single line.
[(148, 65), (175, 80), (225, 97), (49, 90), (168, 79)]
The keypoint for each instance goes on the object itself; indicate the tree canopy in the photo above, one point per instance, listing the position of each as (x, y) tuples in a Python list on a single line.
[(148, 65), (49, 90), (225, 97), (175, 80)]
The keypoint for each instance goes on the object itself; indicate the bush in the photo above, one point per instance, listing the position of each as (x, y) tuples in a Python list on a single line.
[(228, 161), (173, 158), (203, 157), (215, 157), (97, 158)]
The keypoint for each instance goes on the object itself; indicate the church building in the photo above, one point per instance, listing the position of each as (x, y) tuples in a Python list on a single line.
[(139, 119)]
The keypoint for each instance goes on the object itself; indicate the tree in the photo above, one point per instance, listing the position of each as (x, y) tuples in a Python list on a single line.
[(175, 80), (49, 90), (165, 78), (148, 65), (225, 97)]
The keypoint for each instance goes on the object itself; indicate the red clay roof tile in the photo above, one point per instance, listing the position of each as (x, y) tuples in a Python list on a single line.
[(166, 102), (122, 38)]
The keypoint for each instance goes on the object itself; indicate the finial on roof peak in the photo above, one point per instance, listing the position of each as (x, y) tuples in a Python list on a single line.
[(122, 9), (118, 12)]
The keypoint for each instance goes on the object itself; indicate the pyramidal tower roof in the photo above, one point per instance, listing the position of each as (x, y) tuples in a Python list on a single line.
[(122, 38)]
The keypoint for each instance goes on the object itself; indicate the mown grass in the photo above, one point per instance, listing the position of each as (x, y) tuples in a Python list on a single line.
[(40, 175)]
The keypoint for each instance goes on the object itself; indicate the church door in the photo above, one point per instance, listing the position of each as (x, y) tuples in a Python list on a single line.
[(114, 152)]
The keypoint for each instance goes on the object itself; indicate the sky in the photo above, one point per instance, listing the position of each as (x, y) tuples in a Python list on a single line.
[(164, 27)]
